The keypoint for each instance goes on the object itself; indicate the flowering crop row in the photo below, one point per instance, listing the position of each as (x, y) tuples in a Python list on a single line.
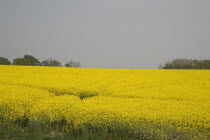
[(147, 104)]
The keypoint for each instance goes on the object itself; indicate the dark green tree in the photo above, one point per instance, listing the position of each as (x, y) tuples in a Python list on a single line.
[(32, 59), (51, 62), (4, 61), (187, 64), (67, 65), (21, 61), (73, 64)]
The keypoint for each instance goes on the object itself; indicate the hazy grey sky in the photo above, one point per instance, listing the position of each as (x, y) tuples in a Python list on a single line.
[(106, 33)]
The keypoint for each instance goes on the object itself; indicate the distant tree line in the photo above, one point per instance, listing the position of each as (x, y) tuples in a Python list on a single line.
[(187, 64), (29, 60)]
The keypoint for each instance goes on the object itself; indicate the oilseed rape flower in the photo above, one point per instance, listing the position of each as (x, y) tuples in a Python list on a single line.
[(144, 104)]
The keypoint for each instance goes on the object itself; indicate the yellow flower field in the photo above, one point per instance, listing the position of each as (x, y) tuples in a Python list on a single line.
[(145, 104)]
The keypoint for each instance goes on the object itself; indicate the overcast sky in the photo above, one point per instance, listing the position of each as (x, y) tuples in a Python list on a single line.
[(106, 33)]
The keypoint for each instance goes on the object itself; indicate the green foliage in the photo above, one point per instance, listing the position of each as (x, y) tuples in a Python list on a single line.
[(35, 132), (51, 62), (21, 61), (67, 65), (73, 64), (32, 59), (27, 60), (4, 61), (187, 64)]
